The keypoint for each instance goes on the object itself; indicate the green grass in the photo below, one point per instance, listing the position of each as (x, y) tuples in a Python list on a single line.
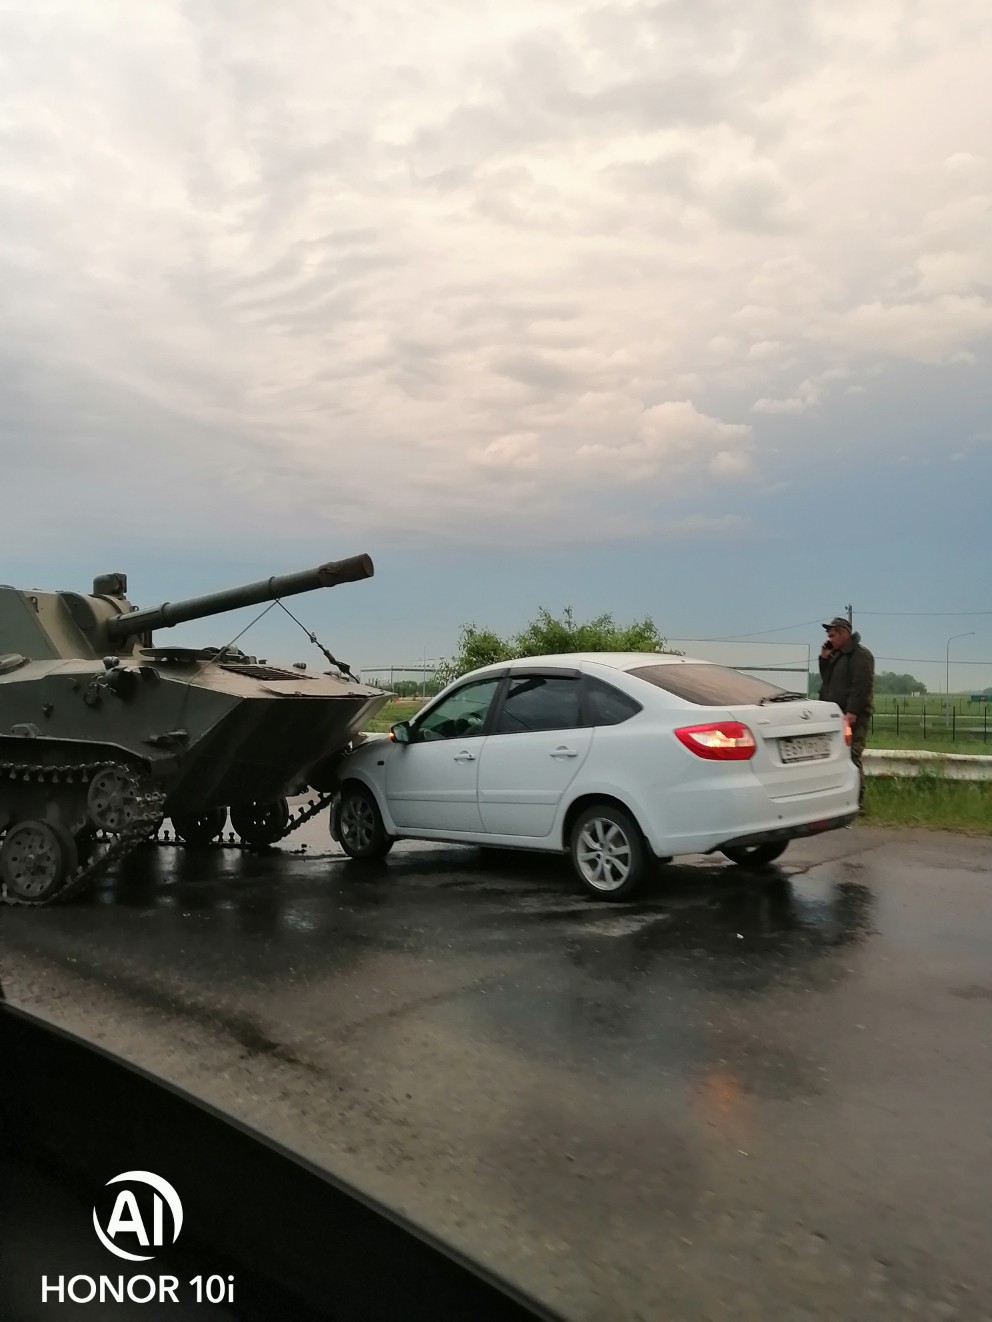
[(937, 741), (933, 702), (922, 723), (399, 710), (929, 801)]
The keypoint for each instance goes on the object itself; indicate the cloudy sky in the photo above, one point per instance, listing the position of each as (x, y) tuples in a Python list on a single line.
[(667, 307)]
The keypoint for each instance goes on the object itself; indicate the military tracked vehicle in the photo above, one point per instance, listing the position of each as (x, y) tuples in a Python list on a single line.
[(104, 733)]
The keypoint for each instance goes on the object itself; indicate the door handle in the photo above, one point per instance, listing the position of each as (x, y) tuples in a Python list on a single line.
[(464, 756), (565, 752)]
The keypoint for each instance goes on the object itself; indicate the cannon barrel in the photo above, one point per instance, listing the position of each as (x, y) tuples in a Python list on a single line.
[(356, 567)]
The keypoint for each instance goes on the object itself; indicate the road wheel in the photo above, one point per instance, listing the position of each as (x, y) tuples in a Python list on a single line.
[(608, 852), (360, 829), (112, 799), (36, 860), (200, 828), (755, 856), (261, 823)]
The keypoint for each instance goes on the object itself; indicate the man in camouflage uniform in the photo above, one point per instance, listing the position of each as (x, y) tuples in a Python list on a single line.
[(847, 677)]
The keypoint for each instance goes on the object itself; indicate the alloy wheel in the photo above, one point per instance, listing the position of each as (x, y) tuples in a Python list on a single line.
[(357, 822), (604, 855)]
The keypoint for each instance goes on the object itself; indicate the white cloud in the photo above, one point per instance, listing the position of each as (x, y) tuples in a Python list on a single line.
[(668, 440), (273, 253), (732, 464), (931, 331), (792, 405)]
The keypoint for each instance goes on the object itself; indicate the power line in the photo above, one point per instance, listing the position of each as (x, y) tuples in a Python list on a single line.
[(731, 637), (931, 661), (925, 614), (805, 624)]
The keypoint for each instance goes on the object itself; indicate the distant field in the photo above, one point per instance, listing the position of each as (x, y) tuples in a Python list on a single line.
[(400, 710), (954, 725)]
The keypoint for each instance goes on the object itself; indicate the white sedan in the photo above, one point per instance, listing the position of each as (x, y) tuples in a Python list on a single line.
[(622, 760)]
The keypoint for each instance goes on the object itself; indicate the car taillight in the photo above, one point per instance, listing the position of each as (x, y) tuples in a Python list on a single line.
[(723, 741), (847, 734)]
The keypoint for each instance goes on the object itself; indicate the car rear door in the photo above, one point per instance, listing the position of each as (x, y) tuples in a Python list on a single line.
[(537, 744)]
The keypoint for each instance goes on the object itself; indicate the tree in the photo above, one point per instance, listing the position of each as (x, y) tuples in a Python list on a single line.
[(547, 636), (889, 682)]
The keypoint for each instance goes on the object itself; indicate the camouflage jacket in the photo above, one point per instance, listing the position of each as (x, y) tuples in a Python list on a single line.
[(847, 677)]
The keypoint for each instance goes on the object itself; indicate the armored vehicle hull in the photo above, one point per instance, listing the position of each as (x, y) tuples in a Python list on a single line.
[(102, 735)]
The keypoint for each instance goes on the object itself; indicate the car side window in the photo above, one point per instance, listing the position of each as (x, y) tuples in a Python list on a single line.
[(540, 702), (462, 714), (606, 705)]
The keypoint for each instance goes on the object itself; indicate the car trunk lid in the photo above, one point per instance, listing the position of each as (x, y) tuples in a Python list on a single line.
[(801, 747)]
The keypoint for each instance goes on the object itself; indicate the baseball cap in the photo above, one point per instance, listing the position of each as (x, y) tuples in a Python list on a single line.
[(839, 622)]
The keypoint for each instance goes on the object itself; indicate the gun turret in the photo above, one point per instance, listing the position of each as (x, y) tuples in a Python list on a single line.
[(141, 622)]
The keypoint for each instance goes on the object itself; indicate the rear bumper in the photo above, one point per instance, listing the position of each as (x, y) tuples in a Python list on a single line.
[(694, 819), (787, 832)]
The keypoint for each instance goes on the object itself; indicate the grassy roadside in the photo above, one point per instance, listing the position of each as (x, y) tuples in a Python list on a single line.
[(400, 710), (930, 801), (933, 743), (926, 800)]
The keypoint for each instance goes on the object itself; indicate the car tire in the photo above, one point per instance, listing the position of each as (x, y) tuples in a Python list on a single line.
[(609, 853), (360, 830), (755, 856)]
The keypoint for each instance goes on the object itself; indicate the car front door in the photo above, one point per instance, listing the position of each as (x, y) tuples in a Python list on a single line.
[(431, 782), (535, 748)]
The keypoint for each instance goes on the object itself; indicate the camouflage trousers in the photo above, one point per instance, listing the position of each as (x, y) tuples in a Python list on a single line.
[(859, 737)]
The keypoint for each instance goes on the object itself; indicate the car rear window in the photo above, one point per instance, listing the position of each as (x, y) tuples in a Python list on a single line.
[(607, 705), (708, 685)]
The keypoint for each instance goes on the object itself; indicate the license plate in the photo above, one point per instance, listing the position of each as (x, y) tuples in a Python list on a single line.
[(804, 748)]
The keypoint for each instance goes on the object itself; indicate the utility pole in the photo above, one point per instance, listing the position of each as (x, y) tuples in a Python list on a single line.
[(947, 672), (850, 616)]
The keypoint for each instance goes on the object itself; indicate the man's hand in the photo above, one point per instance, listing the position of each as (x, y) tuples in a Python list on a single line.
[(825, 651), (849, 719)]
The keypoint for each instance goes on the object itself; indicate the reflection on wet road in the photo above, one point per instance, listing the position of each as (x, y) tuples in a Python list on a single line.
[(744, 1096)]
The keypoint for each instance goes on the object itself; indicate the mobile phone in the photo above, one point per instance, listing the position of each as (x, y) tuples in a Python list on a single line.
[(828, 645)]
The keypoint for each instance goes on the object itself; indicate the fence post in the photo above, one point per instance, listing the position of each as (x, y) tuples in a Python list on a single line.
[(897, 718), (954, 723), (924, 720)]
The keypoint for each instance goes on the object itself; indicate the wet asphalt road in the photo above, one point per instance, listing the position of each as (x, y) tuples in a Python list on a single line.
[(742, 1097)]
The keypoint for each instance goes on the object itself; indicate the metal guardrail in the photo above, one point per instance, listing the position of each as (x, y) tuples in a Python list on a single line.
[(911, 762)]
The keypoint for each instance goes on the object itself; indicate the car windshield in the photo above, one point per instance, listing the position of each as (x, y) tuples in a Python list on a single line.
[(708, 685)]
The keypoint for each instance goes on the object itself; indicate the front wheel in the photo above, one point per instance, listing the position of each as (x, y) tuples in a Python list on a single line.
[(608, 852), (755, 856), (361, 831)]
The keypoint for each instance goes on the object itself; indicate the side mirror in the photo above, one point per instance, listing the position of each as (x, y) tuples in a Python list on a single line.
[(400, 732)]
